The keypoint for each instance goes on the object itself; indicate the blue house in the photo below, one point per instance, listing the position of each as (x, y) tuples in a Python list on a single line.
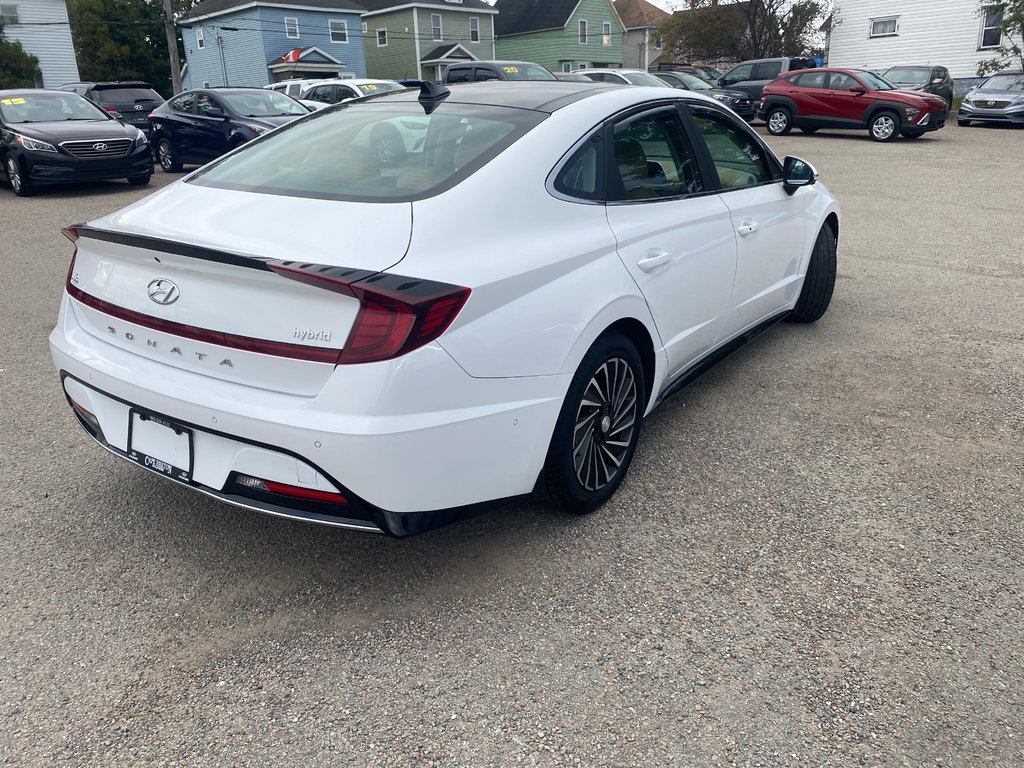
[(257, 42)]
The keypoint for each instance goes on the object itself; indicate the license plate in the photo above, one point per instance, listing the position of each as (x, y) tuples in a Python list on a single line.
[(161, 445)]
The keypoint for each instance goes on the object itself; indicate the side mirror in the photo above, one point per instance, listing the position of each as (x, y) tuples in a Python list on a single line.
[(937, 81), (797, 173), (858, 89), (214, 112)]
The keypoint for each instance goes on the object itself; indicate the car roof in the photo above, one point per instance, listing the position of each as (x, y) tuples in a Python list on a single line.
[(30, 91), (353, 80), (494, 61), (538, 95), (615, 70)]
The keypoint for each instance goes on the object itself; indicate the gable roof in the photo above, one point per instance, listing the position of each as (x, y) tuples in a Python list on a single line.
[(217, 7), (516, 17), (639, 13), (377, 6), (309, 55)]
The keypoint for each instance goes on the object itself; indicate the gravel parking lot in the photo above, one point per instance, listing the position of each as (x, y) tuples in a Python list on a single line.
[(816, 560)]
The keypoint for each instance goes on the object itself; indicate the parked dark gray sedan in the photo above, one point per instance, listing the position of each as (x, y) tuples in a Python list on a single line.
[(1000, 99), (935, 80)]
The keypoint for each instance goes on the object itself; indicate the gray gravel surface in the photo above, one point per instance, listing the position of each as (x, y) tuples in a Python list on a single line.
[(815, 561)]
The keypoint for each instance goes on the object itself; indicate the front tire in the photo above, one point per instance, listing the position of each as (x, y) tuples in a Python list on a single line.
[(167, 157), (912, 135), (779, 121), (140, 181), (19, 180), (884, 126), (598, 427), (809, 130), (964, 123), (819, 282)]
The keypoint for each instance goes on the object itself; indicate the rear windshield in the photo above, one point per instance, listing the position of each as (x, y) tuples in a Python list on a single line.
[(1004, 83), (125, 95), (525, 72), (48, 106), (909, 75), (378, 150), (371, 89)]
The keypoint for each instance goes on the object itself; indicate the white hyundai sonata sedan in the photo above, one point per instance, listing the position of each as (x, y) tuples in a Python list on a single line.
[(488, 315)]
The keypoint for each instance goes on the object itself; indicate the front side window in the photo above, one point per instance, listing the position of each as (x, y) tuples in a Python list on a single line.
[(885, 27), (653, 159), (184, 103), (583, 31), (319, 94), (474, 29), (205, 102), (333, 155), (339, 31), (737, 156), (481, 74), (435, 26), (291, 27), (739, 74), (200, 39), (606, 33), (991, 34), (382, 38), (263, 104), (459, 75), (840, 81)]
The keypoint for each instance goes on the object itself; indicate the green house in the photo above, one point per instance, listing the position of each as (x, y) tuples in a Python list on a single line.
[(417, 40), (561, 35)]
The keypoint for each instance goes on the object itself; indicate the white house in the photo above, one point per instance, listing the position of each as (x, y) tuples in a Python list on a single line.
[(42, 28), (878, 34)]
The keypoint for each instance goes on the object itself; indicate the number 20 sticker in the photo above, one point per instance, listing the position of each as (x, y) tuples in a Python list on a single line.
[(511, 70)]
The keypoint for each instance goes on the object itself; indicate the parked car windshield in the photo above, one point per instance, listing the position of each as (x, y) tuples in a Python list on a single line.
[(875, 82), (125, 95), (370, 89), (909, 75), (378, 150), (642, 78), (1004, 83), (525, 72), (262, 104), (48, 107), (692, 81)]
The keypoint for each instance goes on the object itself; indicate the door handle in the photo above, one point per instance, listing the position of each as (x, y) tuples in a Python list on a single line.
[(653, 259), (747, 228)]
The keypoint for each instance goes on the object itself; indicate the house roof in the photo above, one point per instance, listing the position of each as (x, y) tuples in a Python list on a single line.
[(376, 6), (639, 13), (216, 7), (443, 52), (516, 17), (309, 55)]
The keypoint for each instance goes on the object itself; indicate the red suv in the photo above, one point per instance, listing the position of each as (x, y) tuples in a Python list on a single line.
[(810, 99)]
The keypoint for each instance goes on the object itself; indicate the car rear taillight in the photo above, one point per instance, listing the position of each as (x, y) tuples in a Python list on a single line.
[(294, 491), (71, 233), (112, 111), (89, 420), (396, 314)]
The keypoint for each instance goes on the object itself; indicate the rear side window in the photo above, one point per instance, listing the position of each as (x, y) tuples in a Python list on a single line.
[(767, 70), (481, 74), (737, 156), (377, 150), (125, 95), (459, 75), (581, 177), (184, 103), (652, 159), (811, 80)]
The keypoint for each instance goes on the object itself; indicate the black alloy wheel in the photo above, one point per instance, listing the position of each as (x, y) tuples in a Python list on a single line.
[(167, 157)]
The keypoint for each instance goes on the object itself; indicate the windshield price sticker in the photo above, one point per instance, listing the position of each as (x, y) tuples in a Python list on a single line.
[(511, 70), (9, 102), (369, 87)]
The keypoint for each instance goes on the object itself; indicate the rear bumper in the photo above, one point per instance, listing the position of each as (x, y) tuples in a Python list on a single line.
[(59, 168), (401, 467)]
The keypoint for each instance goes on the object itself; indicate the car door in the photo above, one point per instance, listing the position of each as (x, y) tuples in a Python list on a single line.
[(178, 125), (848, 108), (673, 233), (764, 72), (211, 131), (738, 74), (808, 92), (768, 223)]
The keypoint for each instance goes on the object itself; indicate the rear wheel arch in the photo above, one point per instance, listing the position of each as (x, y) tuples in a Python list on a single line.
[(637, 333)]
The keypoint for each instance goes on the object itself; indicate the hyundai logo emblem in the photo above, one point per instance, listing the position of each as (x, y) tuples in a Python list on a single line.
[(990, 103), (138, 107), (163, 292), (99, 147)]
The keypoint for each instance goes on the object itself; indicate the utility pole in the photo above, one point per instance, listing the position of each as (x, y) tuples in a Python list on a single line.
[(172, 46)]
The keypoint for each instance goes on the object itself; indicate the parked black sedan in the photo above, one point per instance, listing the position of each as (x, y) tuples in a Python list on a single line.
[(128, 100), (50, 137), (197, 126), (738, 101)]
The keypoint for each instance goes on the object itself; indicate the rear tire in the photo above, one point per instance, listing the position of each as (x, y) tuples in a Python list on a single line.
[(779, 121), (598, 427), (884, 126), (19, 180), (820, 281), (167, 157)]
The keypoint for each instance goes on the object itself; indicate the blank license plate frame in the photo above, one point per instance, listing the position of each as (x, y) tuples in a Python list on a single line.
[(159, 444)]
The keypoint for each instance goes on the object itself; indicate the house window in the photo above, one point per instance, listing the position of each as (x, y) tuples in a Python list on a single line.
[(200, 39), (583, 31), (339, 31), (887, 27), (382, 38), (435, 26), (365, 28), (606, 33), (474, 29), (991, 34), (9, 14), (291, 27)]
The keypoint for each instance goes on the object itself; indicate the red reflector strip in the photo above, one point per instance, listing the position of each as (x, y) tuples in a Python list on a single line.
[(220, 338), (304, 493)]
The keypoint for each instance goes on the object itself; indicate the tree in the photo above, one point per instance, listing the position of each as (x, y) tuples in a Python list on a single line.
[(736, 30), (18, 68), (1008, 17), (121, 40)]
